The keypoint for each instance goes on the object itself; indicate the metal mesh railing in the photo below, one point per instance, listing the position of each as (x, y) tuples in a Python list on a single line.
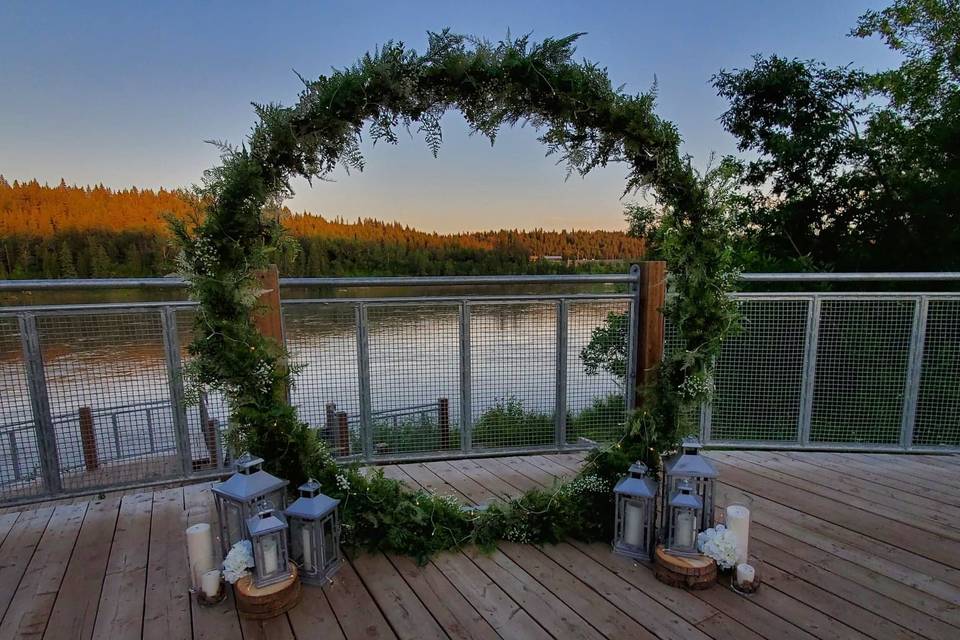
[(840, 370), (20, 456)]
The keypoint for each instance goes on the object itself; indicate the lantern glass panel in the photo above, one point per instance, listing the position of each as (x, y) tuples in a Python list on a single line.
[(330, 551), (685, 530), (234, 520)]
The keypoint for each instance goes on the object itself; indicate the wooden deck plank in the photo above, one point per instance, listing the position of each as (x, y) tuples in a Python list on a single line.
[(33, 601), (407, 615), (490, 482), (816, 560), (884, 559), (509, 474), (447, 605), (431, 482), (17, 551), (464, 483), (166, 612), (638, 605), (873, 475), (496, 607), (220, 620), (752, 615), (271, 629), (848, 601), (841, 490), (313, 618), (355, 609), (7, 520), (921, 542), (551, 611), (75, 610), (120, 614), (554, 468), (523, 465)]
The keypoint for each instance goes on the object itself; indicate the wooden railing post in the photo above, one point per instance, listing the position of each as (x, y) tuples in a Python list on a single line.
[(343, 433), (88, 439), (653, 293), (443, 422), (268, 316)]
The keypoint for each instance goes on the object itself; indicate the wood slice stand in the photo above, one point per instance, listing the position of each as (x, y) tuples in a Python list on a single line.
[(270, 601), (697, 572)]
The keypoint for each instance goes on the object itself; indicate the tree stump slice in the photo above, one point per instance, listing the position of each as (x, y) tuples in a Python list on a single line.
[(696, 572), (267, 602)]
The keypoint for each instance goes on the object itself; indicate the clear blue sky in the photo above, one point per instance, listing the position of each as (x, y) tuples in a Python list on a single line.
[(125, 93)]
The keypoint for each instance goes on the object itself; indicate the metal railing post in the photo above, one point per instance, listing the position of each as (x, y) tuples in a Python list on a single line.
[(178, 404), (363, 371), (633, 336), (811, 339), (466, 400), (911, 392), (560, 411), (40, 403)]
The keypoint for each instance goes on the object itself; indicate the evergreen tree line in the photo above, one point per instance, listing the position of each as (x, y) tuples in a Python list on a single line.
[(96, 232)]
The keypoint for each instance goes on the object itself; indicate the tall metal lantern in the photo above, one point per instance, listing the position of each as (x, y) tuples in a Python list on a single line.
[(681, 519), (239, 496), (268, 535), (698, 471), (314, 533), (636, 513)]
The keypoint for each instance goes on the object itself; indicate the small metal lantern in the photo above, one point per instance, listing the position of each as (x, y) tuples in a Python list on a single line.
[(268, 535), (636, 511), (238, 497), (681, 520), (314, 533), (698, 471)]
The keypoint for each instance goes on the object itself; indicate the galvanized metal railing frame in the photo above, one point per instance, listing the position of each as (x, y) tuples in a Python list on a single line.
[(43, 422), (815, 300)]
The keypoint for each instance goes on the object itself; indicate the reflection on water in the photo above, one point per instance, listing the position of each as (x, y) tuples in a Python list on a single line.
[(112, 362)]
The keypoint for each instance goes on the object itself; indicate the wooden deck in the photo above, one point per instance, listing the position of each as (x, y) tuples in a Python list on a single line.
[(853, 545)]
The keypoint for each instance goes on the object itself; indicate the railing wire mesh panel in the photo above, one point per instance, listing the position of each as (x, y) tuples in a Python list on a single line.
[(596, 361), (759, 374), (938, 405), (322, 342), (20, 463), (206, 412), (414, 378), (107, 385), (862, 357), (513, 353)]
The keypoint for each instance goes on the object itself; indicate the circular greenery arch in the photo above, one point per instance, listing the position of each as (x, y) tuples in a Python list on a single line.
[(585, 121)]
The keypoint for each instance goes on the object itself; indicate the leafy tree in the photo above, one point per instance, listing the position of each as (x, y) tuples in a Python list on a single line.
[(854, 170), (65, 257)]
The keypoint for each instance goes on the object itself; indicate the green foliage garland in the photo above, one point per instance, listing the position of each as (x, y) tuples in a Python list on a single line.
[(583, 120)]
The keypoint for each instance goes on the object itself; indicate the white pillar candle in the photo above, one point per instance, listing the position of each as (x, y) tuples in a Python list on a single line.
[(306, 541), (685, 534), (745, 574), (270, 555), (210, 581), (738, 521), (633, 525), (199, 552)]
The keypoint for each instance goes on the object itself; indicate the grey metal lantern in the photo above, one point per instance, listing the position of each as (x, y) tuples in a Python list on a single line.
[(636, 513), (268, 535), (314, 533), (698, 471), (681, 520), (238, 497)]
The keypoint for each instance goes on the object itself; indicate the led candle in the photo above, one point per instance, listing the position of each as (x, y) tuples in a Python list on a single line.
[(738, 521), (306, 541), (745, 574), (211, 583), (199, 552), (269, 555), (686, 533), (633, 525)]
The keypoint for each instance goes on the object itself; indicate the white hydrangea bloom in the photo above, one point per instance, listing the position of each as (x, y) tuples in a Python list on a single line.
[(720, 544), (343, 483), (238, 561)]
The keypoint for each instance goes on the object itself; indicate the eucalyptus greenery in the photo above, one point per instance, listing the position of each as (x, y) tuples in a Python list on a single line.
[(585, 122)]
